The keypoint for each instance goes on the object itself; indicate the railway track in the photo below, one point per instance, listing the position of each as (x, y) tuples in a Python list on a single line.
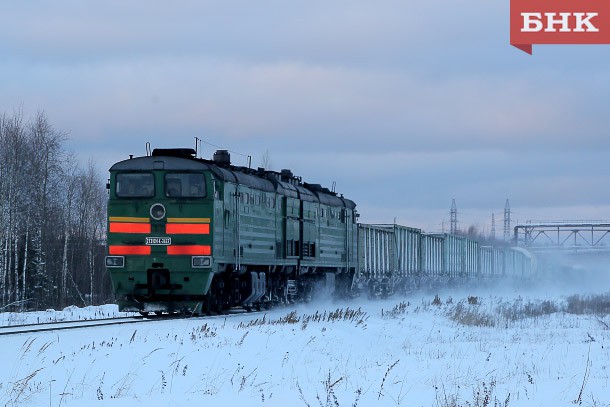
[(90, 323), (64, 325)]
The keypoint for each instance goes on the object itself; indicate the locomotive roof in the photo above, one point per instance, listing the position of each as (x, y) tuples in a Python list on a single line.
[(149, 163), (268, 181)]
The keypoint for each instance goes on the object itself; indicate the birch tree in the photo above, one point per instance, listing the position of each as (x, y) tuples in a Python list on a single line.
[(12, 195), (52, 219)]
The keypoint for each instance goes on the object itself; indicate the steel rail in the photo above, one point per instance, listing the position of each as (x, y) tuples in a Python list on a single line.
[(91, 323), (77, 324)]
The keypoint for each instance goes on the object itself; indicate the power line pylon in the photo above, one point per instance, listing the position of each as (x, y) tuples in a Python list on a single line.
[(454, 221), (507, 234)]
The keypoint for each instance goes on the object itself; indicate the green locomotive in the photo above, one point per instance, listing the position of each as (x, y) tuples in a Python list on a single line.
[(197, 236)]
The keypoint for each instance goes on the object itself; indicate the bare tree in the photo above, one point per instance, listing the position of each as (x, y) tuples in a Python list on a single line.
[(12, 177), (68, 192), (52, 219), (45, 175), (91, 201)]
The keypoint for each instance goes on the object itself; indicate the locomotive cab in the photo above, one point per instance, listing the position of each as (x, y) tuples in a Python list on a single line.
[(160, 213)]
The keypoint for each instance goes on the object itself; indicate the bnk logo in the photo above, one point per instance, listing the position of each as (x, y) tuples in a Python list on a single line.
[(532, 22), (559, 22)]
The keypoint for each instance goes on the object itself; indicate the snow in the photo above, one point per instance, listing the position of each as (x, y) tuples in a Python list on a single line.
[(407, 351), (71, 313)]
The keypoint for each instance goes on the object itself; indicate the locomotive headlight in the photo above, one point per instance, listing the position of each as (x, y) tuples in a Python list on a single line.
[(157, 211), (115, 261), (201, 261)]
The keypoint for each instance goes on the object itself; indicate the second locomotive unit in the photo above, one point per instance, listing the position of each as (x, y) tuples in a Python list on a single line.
[(195, 236)]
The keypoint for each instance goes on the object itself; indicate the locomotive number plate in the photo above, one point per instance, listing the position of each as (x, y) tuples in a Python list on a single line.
[(158, 241)]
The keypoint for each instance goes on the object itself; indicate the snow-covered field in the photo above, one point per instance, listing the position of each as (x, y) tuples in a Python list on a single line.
[(475, 348)]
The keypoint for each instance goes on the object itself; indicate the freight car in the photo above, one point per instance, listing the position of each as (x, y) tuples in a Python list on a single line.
[(191, 235), (398, 258)]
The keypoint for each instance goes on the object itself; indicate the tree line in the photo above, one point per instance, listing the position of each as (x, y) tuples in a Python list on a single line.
[(52, 220)]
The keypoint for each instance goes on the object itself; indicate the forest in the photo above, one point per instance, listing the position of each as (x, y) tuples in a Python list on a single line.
[(52, 220)]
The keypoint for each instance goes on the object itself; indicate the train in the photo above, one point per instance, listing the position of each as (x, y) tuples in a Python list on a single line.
[(199, 236)]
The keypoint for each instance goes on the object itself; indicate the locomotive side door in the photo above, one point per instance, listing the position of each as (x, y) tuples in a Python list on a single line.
[(293, 231), (280, 228)]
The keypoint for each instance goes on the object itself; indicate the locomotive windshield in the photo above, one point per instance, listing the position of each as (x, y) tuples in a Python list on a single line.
[(135, 185), (185, 185)]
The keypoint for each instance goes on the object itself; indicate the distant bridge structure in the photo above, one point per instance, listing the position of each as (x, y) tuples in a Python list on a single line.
[(581, 236)]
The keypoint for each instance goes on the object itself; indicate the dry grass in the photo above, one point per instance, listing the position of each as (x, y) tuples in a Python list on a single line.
[(355, 316), (486, 314), (483, 396), (590, 304), (471, 315), (399, 310)]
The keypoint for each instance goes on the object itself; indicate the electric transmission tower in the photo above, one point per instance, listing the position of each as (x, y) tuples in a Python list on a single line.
[(454, 221), (493, 227), (507, 234)]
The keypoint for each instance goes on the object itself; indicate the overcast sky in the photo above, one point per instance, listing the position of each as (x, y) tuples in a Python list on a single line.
[(405, 104)]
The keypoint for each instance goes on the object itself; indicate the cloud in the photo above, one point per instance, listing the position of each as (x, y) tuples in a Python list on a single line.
[(406, 105), (321, 103)]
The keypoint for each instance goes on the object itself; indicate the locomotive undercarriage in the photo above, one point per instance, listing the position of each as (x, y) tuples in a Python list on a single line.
[(158, 295), (264, 289), (250, 289)]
